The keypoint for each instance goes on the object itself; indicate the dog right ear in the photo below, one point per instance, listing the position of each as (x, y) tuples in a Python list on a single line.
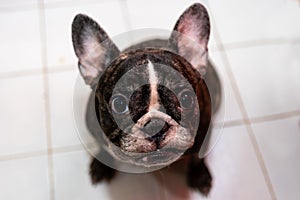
[(190, 36), (93, 48)]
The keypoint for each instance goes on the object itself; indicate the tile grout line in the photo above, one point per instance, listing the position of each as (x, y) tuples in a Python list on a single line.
[(20, 73), (50, 5), (273, 117), (78, 147), (33, 72), (214, 48), (17, 156), (233, 123), (42, 24), (244, 114), (38, 153), (258, 43), (28, 7), (54, 5), (249, 128), (125, 13)]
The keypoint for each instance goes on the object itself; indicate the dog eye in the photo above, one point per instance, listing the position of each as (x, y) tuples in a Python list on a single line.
[(119, 104), (186, 99)]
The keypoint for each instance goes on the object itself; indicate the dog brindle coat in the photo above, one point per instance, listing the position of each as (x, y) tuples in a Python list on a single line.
[(156, 107)]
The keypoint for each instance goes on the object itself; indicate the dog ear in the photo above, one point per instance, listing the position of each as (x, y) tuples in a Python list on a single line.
[(93, 48), (190, 36)]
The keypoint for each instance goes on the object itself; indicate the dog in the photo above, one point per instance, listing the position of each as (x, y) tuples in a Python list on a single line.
[(151, 100)]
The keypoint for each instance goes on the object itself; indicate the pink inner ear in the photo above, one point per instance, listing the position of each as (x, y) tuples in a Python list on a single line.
[(186, 27), (190, 27), (193, 29), (192, 44)]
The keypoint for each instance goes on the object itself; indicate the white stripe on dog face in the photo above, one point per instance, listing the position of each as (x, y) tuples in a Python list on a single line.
[(153, 87)]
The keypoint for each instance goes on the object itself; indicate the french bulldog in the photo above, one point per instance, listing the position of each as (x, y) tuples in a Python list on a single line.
[(151, 99)]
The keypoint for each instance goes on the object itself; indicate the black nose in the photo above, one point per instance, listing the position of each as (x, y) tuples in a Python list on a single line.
[(154, 126)]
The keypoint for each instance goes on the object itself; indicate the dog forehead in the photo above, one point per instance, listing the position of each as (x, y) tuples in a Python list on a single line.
[(132, 69)]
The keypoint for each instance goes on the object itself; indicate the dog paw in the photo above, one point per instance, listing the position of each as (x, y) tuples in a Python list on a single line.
[(199, 178), (100, 172)]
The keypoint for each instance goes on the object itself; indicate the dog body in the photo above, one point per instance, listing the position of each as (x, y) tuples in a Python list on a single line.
[(151, 100)]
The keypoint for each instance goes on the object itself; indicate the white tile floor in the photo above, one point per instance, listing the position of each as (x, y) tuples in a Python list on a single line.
[(24, 43), (255, 47), (61, 86)]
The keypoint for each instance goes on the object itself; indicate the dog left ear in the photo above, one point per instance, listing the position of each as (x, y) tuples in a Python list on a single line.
[(190, 36), (93, 48)]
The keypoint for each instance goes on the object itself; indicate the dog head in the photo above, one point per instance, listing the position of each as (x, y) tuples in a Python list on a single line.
[(148, 101)]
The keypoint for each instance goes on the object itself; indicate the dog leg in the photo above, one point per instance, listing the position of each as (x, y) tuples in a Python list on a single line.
[(100, 172), (198, 176)]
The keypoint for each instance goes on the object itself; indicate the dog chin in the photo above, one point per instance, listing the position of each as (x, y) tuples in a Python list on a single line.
[(161, 149), (158, 158)]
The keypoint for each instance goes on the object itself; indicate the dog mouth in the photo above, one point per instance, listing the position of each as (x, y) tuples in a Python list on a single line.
[(156, 139)]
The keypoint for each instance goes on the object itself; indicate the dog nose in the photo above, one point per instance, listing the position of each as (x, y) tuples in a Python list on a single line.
[(153, 126)]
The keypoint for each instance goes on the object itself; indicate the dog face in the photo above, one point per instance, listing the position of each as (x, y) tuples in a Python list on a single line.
[(148, 101)]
